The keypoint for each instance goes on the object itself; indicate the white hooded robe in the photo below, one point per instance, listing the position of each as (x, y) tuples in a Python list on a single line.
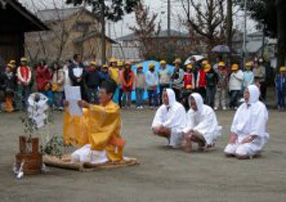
[(203, 121), (250, 119), (172, 116)]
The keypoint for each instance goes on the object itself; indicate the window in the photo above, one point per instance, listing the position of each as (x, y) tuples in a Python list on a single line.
[(80, 27)]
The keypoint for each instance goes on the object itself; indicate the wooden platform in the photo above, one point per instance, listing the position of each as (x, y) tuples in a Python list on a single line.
[(65, 163)]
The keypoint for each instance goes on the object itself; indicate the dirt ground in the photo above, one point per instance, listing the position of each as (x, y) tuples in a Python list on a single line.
[(164, 174)]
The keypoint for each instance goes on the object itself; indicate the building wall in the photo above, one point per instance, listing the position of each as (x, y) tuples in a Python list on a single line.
[(11, 47), (58, 44)]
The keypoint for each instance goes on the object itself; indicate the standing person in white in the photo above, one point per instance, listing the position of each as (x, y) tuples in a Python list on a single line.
[(170, 119), (202, 126), (235, 85), (248, 131)]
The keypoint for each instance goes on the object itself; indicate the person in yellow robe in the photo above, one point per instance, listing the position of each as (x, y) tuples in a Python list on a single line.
[(98, 130)]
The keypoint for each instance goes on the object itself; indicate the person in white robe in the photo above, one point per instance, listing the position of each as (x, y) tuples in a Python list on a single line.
[(170, 119), (202, 125), (248, 131)]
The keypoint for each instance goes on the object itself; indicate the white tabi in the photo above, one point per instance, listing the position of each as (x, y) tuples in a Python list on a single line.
[(250, 119), (86, 155), (173, 117), (203, 121)]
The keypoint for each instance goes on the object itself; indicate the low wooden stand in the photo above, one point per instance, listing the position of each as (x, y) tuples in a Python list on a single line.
[(32, 159)]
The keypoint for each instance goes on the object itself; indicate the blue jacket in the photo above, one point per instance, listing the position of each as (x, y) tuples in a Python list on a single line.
[(280, 82)]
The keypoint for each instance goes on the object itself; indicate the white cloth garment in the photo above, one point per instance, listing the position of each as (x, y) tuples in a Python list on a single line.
[(86, 155), (172, 116), (203, 121), (250, 119), (235, 81)]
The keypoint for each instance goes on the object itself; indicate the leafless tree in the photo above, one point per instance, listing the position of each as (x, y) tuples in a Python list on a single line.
[(205, 17)]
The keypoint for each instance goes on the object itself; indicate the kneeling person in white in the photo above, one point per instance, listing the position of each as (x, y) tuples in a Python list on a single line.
[(170, 119), (248, 130), (202, 126)]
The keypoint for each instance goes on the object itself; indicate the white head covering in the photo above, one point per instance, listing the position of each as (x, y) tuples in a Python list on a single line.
[(171, 97), (254, 94), (198, 99)]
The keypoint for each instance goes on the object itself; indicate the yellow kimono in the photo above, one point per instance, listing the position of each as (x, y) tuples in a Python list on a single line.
[(99, 127)]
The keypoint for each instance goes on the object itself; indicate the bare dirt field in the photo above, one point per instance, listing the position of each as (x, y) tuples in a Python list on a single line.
[(164, 174)]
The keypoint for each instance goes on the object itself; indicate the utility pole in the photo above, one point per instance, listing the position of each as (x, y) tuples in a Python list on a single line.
[(229, 25), (109, 29), (169, 31), (103, 42), (169, 18), (244, 34)]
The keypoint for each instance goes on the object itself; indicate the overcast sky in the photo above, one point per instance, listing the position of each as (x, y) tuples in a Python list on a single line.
[(157, 6)]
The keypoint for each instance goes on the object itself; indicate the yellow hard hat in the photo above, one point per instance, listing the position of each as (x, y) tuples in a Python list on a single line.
[(10, 66), (119, 64), (93, 63), (248, 64), (127, 63), (221, 64), (234, 67), (140, 66), (105, 66), (112, 59), (283, 69), (189, 66), (207, 67), (204, 62), (151, 64), (178, 61), (163, 62), (23, 59)]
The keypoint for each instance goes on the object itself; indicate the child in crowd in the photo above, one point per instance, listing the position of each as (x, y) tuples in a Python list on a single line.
[(24, 79), (235, 84), (221, 87), (177, 79), (280, 85), (9, 81), (92, 82), (189, 85), (201, 81), (44, 80), (140, 84), (58, 86), (104, 75), (248, 76), (211, 79), (164, 78), (152, 82), (127, 77)]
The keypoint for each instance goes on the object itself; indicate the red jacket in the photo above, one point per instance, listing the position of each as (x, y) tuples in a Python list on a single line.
[(188, 80), (201, 80), (24, 75), (43, 77), (127, 82)]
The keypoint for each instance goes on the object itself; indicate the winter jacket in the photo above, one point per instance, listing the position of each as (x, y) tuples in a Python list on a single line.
[(43, 77)]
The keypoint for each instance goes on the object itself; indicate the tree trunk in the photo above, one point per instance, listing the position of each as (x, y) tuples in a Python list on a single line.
[(103, 43), (281, 30), (229, 24)]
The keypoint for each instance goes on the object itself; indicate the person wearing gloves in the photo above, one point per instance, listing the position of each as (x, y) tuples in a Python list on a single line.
[(170, 119)]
